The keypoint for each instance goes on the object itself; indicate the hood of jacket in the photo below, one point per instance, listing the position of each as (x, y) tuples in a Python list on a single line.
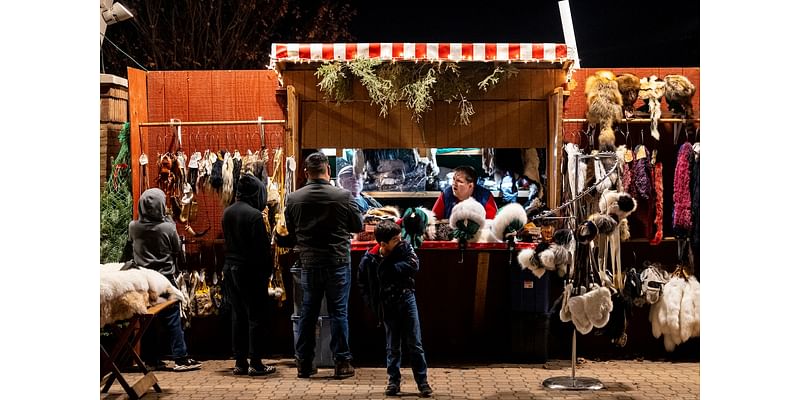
[(152, 206), (252, 191)]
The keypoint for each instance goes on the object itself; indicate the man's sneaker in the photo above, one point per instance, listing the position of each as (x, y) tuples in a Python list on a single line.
[(259, 369), (186, 364), (155, 366), (343, 370), (425, 390), (392, 389), (240, 368)]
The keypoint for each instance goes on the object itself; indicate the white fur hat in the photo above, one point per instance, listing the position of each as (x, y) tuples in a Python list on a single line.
[(509, 217), (617, 203), (468, 212), (525, 259)]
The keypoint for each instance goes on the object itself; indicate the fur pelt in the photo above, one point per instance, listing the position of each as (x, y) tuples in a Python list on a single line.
[(129, 292), (679, 91), (658, 184), (651, 90), (508, 220), (605, 106), (572, 164), (555, 258), (564, 314), (676, 315), (385, 212), (624, 229), (681, 192), (628, 85)]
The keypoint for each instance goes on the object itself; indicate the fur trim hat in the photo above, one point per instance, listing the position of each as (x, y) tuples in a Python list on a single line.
[(467, 217), (586, 231), (554, 258), (508, 220), (605, 223), (525, 259), (415, 224), (605, 105)]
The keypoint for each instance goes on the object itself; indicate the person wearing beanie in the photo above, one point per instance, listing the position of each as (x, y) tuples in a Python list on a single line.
[(464, 186), (355, 183), (248, 266), (156, 245), (321, 220)]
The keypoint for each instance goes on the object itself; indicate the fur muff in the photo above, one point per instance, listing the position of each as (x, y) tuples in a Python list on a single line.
[(679, 90), (466, 213), (605, 223), (628, 85), (617, 203), (525, 259), (605, 106), (651, 90), (598, 306), (508, 220), (577, 308), (554, 258)]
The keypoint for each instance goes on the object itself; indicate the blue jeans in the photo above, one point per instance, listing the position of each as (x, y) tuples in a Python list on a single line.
[(170, 321), (401, 320), (332, 282), (247, 293)]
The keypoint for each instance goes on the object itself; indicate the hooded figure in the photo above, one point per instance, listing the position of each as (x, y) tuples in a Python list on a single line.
[(248, 266), (156, 244)]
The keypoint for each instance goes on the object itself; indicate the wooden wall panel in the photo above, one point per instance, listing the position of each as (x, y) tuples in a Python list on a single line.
[(308, 123), (525, 84)]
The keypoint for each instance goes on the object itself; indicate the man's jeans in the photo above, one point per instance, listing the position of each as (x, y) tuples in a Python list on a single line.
[(169, 321), (332, 282), (402, 324)]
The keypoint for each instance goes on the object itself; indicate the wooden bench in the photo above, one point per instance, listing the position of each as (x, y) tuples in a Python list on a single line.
[(126, 337)]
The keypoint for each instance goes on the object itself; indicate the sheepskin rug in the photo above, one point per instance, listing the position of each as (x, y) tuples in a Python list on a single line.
[(126, 293)]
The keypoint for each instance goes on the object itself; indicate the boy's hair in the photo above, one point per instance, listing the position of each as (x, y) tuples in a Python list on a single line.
[(468, 172), (316, 163), (386, 230)]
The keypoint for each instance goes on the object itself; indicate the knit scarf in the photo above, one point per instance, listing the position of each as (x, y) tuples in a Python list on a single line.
[(681, 196), (658, 180)]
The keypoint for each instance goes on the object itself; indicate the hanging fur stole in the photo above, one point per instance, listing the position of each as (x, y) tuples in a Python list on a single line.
[(604, 106), (651, 91), (572, 164), (696, 196), (676, 315), (658, 180), (532, 164), (681, 196), (621, 205), (227, 180)]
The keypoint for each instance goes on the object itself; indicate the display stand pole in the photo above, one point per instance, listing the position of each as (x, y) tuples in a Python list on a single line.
[(572, 382)]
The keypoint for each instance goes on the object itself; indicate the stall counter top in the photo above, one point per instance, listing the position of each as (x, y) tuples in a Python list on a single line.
[(357, 245)]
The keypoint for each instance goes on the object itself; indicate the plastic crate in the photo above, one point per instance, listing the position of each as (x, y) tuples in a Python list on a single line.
[(323, 356), (529, 293)]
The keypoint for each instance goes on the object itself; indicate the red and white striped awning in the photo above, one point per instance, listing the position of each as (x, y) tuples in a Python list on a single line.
[(518, 52)]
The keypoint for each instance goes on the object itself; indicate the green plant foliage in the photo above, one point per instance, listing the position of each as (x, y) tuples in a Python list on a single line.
[(116, 204), (419, 84)]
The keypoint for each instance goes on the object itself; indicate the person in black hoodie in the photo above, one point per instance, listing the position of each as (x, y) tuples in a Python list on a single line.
[(386, 279), (248, 265)]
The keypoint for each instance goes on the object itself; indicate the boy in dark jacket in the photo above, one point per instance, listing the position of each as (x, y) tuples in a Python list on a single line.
[(386, 279)]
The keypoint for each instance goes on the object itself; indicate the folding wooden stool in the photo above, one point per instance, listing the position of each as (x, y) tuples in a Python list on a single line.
[(127, 337)]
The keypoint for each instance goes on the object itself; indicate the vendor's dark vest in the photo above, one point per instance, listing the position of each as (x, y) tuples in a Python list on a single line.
[(480, 193)]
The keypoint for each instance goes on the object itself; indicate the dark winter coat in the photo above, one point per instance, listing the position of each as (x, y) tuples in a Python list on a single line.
[(382, 280)]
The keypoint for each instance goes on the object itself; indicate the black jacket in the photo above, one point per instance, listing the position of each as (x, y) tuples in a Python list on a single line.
[(382, 280), (320, 219)]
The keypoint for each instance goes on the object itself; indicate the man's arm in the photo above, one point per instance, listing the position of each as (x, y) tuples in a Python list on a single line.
[(490, 207), (438, 207), (355, 222)]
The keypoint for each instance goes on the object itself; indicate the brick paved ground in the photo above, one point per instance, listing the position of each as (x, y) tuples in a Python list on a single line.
[(641, 380)]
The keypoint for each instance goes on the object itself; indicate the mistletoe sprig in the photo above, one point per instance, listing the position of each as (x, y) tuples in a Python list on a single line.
[(419, 84)]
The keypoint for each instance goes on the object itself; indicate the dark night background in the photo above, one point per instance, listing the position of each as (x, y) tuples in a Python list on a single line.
[(609, 33)]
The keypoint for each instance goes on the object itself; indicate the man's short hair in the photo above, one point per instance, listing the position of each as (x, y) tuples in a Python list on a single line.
[(316, 163), (468, 172), (386, 230)]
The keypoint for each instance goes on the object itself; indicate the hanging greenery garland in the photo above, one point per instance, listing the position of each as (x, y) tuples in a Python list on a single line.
[(419, 84)]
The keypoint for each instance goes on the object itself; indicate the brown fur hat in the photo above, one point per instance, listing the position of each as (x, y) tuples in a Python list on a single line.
[(628, 85), (679, 92)]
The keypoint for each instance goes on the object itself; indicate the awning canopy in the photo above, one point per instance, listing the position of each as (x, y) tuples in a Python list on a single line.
[(512, 52)]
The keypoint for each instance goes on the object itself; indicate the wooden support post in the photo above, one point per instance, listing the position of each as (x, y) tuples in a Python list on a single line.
[(555, 141), (481, 281), (292, 139), (137, 97)]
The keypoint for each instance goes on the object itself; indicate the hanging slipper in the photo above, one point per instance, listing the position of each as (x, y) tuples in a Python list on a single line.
[(577, 308), (598, 305), (564, 314)]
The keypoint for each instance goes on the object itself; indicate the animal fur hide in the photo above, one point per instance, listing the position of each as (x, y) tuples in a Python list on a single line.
[(525, 259), (598, 306), (658, 182), (629, 89), (572, 151), (605, 106), (676, 315), (577, 309), (532, 164), (617, 203), (651, 91), (129, 292), (681, 193), (385, 212)]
